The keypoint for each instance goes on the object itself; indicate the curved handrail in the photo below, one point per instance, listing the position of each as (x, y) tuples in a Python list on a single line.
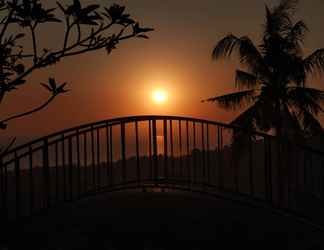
[(128, 119), (225, 159), (132, 119)]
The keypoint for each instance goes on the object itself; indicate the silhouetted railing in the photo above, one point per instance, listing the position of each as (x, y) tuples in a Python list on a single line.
[(161, 153)]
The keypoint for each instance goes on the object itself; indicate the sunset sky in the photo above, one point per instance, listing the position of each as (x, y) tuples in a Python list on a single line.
[(176, 59)]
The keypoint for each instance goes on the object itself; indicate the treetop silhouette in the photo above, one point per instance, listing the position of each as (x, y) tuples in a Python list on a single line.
[(86, 29), (273, 82)]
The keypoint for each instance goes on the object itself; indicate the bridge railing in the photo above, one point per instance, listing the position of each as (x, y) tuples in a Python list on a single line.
[(160, 152)]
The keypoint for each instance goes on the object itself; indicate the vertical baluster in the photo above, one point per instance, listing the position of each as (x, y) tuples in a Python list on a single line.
[(4, 191), (150, 151), (270, 170), (70, 167), (234, 162), (188, 153), (251, 165), (18, 186), (56, 173), (165, 137), (93, 160), (2, 195), (155, 153), (111, 156), (78, 165), (63, 167), (138, 170), (194, 154), (208, 154), (85, 163), (180, 151), (219, 156), (123, 151), (322, 175), (98, 159), (172, 150), (266, 168), (108, 165), (280, 172), (203, 154), (46, 175), (31, 181)]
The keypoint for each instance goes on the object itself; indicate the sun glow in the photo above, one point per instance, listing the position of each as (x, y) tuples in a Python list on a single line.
[(159, 96)]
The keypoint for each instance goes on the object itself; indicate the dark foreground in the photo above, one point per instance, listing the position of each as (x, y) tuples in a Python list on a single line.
[(152, 220)]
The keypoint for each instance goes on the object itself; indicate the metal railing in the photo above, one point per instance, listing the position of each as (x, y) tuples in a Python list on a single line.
[(161, 153)]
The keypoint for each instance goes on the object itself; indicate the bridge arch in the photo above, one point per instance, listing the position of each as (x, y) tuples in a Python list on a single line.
[(162, 152)]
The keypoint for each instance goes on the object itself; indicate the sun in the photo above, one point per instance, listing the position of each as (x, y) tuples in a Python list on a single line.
[(159, 96)]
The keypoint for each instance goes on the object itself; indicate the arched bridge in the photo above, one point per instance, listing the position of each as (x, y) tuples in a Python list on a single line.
[(162, 153)]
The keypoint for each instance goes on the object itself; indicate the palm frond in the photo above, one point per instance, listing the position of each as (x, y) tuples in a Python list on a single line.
[(290, 122), (235, 100), (251, 57), (245, 79), (303, 98), (247, 51), (247, 118), (297, 32), (311, 125), (279, 19), (225, 47), (286, 6), (314, 63)]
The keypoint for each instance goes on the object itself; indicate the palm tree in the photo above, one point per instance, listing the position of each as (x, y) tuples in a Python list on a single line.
[(273, 82)]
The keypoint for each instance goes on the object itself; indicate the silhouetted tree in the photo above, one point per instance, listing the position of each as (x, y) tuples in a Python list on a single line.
[(273, 82), (87, 28)]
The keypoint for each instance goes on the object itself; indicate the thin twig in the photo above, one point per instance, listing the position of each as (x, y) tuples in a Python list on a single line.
[(29, 112)]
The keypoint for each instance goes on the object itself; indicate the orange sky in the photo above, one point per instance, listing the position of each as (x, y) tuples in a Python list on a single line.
[(177, 58)]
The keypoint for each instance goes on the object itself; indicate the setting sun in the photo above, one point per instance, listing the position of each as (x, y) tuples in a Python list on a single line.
[(159, 96)]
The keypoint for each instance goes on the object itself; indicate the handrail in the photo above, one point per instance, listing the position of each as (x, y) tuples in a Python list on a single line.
[(186, 153)]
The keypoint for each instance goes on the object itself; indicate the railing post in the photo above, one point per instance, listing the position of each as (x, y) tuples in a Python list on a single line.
[(63, 166), (208, 155), (194, 179), (165, 137), (270, 170), (172, 151), (78, 165), (108, 149), (188, 153), (31, 181), (46, 174), (98, 160), (123, 151), (70, 167), (180, 152), (155, 153), (93, 160), (138, 170), (4, 192), (219, 154), (111, 156), (150, 151), (251, 165), (85, 163), (203, 154), (56, 173)]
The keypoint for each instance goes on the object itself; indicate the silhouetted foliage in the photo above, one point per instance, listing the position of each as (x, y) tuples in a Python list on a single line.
[(274, 80), (87, 28)]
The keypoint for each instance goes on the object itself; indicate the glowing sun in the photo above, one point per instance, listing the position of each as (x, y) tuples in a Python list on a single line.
[(159, 96)]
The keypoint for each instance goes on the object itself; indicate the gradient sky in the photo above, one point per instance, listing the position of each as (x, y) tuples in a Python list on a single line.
[(177, 57)]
